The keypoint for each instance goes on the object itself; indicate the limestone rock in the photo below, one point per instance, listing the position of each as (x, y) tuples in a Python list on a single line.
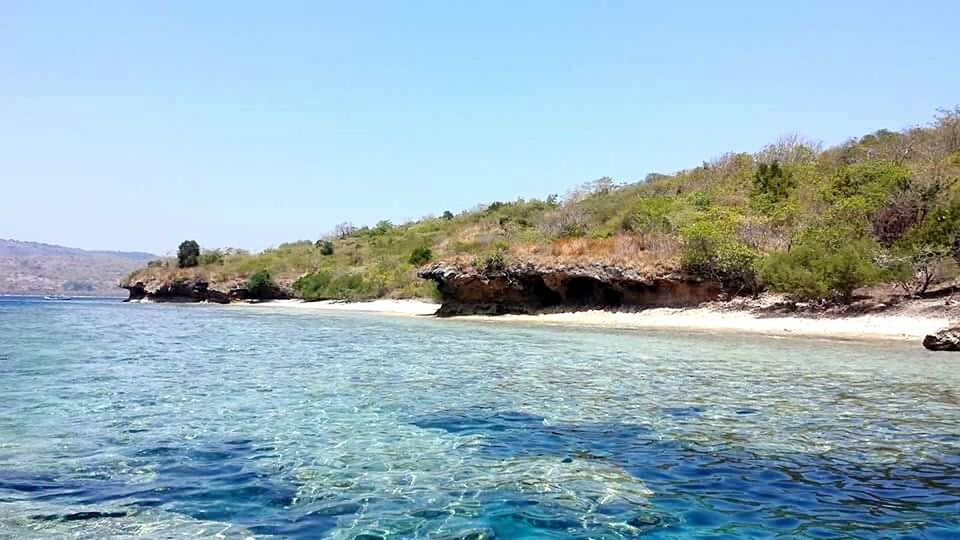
[(947, 339), (531, 288)]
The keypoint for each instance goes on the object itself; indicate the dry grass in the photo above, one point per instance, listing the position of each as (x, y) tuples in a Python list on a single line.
[(472, 237), (646, 252)]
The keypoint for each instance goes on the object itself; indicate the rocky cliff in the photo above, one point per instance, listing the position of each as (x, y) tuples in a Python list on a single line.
[(144, 287), (522, 287), (530, 288)]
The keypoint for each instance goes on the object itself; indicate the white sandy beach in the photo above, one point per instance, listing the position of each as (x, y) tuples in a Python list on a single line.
[(383, 306), (701, 319), (712, 320)]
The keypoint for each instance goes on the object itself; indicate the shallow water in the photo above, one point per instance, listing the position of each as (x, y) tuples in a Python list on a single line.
[(174, 420)]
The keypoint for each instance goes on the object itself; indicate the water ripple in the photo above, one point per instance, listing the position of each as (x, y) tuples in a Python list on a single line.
[(171, 421)]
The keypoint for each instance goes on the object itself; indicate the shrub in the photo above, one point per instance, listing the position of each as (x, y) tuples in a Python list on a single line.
[(260, 285), (892, 221), (823, 270), (954, 158), (312, 286), (420, 256), (713, 250), (871, 181), (325, 246), (347, 287), (188, 254), (701, 200), (495, 261), (447, 215), (940, 227), (214, 256), (771, 185), (650, 215), (325, 286), (569, 219), (155, 264)]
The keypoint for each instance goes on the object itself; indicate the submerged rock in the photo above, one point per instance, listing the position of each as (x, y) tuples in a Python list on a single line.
[(529, 288), (947, 339)]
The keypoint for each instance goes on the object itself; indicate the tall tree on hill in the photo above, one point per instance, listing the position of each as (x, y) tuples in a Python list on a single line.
[(188, 254)]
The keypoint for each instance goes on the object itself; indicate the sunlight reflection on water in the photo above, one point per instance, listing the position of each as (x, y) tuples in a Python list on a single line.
[(173, 420)]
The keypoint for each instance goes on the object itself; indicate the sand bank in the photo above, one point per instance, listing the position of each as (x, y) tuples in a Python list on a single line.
[(899, 326)]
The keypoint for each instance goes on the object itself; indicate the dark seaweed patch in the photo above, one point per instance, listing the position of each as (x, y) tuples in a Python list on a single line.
[(78, 516), (706, 487)]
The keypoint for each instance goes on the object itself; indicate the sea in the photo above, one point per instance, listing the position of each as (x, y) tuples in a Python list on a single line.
[(172, 421)]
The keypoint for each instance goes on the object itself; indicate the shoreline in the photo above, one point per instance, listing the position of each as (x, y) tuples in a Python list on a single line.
[(893, 326), (412, 308)]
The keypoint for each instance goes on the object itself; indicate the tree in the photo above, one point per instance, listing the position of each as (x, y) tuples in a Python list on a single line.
[(381, 228), (791, 148), (600, 186), (188, 254), (918, 268), (771, 184), (654, 177), (421, 256), (947, 126), (344, 230), (447, 215), (325, 247)]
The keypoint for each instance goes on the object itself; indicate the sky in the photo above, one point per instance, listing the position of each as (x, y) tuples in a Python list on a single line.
[(136, 125)]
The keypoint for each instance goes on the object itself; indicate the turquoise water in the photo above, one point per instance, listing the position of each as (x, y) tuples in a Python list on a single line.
[(206, 421)]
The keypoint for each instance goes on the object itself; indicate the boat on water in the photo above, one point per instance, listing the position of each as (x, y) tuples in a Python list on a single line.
[(57, 297)]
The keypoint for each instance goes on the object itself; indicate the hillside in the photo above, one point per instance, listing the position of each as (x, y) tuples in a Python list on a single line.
[(35, 268), (817, 224)]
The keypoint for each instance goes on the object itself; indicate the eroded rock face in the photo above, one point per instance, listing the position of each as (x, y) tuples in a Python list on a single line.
[(947, 339), (194, 290), (529, 288)]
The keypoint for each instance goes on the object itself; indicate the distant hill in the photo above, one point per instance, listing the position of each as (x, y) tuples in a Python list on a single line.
[(35, 268)]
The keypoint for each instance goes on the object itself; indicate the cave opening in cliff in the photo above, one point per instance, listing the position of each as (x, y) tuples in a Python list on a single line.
[(585, 291), (545, 296)]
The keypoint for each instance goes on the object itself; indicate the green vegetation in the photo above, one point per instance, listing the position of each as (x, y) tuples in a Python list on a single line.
[(495, 261), (211, 257), (713, 249), (188, 255), (421, 255), (816, 270), (814, 223), (325, 286), (259, 285)]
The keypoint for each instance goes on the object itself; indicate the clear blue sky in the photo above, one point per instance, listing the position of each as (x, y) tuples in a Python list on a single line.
[(134, 125)]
